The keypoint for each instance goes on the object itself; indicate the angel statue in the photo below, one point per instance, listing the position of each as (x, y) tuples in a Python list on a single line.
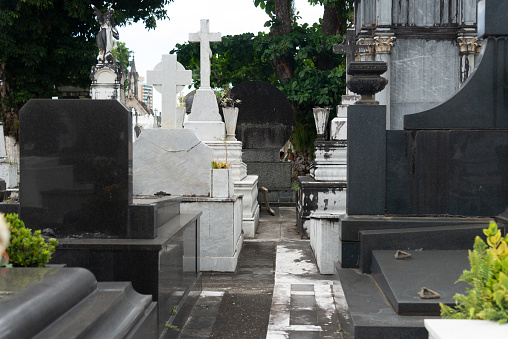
[(108, 31)]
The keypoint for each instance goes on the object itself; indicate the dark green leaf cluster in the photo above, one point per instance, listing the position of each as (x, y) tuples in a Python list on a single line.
[(27, 249), (234, 60), (247, 57), (487, 298), (48, 44)]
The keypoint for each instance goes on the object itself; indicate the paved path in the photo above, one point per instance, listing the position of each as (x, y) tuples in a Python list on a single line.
[(276, 291)]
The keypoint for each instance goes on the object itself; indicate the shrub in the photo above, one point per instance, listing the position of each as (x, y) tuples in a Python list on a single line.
[(27, 249), (488, 297)]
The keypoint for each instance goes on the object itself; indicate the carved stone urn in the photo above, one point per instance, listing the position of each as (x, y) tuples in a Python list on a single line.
[(366, 80), (321, 120), (230, 118)]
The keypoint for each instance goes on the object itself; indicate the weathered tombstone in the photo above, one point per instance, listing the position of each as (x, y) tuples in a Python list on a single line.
[(76, 178), (264, 125), (429, 190)]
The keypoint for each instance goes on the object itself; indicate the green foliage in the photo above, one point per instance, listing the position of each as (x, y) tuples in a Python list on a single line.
[(27, 249), (246, 57), (171, 326), (219, 165), (48, 44), (234, 60), (487, 298)]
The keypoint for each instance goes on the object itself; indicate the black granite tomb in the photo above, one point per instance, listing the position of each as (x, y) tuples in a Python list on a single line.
[(429, 189), (76, 178), (265, 122)]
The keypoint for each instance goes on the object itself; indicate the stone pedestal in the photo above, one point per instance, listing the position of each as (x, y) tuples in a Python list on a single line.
[(108, 82), (330, 161), (222, 183), (318, 196), (221, 236), (324, 235), (207, 130), (245, 185)]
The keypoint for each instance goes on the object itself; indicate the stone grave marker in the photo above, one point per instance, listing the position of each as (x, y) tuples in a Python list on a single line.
[(204, 118), (264, 125), (169, 77)]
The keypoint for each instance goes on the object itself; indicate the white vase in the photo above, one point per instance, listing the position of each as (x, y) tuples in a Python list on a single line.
[(230, 118), (222, 183), (321, 120)]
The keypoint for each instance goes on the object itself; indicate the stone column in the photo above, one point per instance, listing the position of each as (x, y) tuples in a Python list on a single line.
[(383, 43), (469, 49)]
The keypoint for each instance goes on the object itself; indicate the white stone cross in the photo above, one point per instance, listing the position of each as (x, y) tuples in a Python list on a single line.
[(169, 77), (204, 37)]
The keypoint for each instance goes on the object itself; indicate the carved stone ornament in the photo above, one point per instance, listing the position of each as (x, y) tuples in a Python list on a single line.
[(469, 44), (384, 43), (366, 80)]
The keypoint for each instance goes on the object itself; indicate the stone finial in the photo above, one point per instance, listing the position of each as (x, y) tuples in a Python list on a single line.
[(366, 80)]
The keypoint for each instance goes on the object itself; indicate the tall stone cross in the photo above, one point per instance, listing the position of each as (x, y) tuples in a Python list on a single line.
[(169, 77), (204, 37)]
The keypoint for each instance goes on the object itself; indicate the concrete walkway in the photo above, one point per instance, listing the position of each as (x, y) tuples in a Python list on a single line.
[(276, 291)]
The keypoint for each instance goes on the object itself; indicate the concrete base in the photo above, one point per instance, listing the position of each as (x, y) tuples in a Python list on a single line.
[(248, 188), (221, 236), (9, 172), (325, 241), (207, 130), (318, 196)]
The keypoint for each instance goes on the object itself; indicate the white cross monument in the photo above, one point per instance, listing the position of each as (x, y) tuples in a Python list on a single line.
[(204, 106), (169, 77)]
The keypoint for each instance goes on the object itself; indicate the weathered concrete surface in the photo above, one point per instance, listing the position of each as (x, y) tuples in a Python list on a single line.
[(275, 292)]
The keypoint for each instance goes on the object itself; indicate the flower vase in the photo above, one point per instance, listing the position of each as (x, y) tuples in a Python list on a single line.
[(222, 183), (230, 118), (321, 119)]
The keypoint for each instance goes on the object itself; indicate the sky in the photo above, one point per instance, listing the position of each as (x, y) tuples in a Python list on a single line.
[(228, 17)]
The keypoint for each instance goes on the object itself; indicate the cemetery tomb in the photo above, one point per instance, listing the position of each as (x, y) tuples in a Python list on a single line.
[(428, 190), (76, 179), (264, 125)]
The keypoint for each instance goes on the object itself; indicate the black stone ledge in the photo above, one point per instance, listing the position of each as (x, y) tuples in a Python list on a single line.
[(427, 33), (352, 225), (371, 315), (452, 237), (401, 280), (50, 292), (309, 182), (165, 233)]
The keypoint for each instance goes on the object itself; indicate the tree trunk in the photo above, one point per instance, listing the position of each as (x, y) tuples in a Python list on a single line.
[(8, 114), (283, 65), (331, 25)]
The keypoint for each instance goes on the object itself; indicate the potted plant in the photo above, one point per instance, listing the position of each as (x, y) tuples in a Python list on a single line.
[(230, 112), (487, 298), (222, 180)]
